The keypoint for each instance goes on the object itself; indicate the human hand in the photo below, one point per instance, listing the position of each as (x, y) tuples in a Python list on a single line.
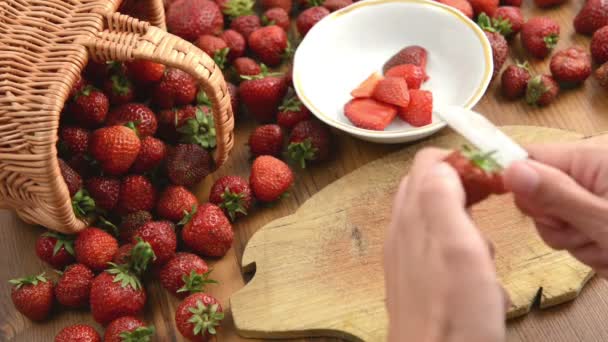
[(565, 191), (441, 283)]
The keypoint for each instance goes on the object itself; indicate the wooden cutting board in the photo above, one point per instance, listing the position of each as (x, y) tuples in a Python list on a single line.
[(319, 271)]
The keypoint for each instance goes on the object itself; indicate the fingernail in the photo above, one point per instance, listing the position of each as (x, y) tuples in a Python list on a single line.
[(522, 178), (442, 170)]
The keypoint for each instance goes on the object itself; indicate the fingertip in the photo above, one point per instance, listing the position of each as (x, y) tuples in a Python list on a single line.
[(521, 178), (442, 182)]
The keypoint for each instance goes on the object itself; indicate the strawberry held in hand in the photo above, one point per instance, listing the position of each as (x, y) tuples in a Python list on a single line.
[(95, 248), (78, 333), (571, 66), (291, 112), (266, 139), (185, 274), (198, 316), (175, 203), (74, 286), (32, 296), (269, 44), (128, 329), (233, 195), (89, 107), (208, 232), (55, 249), (190, 19), (270, 178), (115, 148), (309, 142), (262, 94), (514, 80), (539, 36)]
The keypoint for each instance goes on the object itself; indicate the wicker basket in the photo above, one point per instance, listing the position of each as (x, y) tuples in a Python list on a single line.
[(44, 45)]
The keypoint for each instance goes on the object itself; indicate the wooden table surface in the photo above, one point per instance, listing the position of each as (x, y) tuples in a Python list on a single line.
[(584, 110)]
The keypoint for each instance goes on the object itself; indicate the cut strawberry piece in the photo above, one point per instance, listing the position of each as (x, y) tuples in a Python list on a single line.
[(366, 88), (392, 90), (414, 54), (420, 110), (413, 74), (369, 113)]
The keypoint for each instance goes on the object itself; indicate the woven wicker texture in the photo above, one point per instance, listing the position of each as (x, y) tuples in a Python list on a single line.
[(44, 45)]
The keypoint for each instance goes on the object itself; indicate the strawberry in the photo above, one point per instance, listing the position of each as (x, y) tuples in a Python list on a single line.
[(115, 148), (571, 66), (234, 97), (104, 190), (291, 112), (269, 44), (123, 255), (246, 66), (215, 47), (176, 87), (77, 86), (190, 19), (32, 296), (198, 316), (96, 72), (392, 90), (369, 113), (599, 45), (78, 333), (198, 128), (601, 74), (541, 90), (82, 164), (161, 236), (262, 94), (367, 87), (500, 48), (117, 86), (184, 274), (309, 18), (309, 141), (509, 20), (413, 54), (151, 154), (592, 16), (175, 203), (484, 6), (169, 120), (285, 5), (266, 139), (145, 71), (116, 292), (74, 140), (136, 193), (236, 8), (208, 232), (548, 3), (334, 5), (462, 5), (276, 16), (419, 112), (235, 42), (479, 173), (73, 288), (515, 3), (142, 116), (95, 248), (232, 194), (131, 223), (514, 80), (246, 24), (414, 75), (188, 164), (55, 249), (270, 178), (128, 328), (539, 36), (72, 178), (89, 107)]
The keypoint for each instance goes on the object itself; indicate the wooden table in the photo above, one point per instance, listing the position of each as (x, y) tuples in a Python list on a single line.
[(584, 110)]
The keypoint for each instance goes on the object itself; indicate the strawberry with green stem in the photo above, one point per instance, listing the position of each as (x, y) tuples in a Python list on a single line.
[(539, 36), (83, 205), (291, 112), (56, 249), (200, 129), (215, 47), (198, 316), (89, 107), (500, 48), (514, 80), (262, 94), (233, 195), (32, 296), (128, 329), (118, 87), (237, 8), (541, 90), (184, 274), (309, 142)]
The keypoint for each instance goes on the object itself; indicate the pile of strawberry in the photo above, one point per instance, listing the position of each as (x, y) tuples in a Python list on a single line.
[(134, 136)]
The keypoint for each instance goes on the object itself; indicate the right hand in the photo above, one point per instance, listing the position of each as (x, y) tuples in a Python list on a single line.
[(564, 188)]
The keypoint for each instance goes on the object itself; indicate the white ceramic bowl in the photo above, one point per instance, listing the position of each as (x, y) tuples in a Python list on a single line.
[(345, 47)]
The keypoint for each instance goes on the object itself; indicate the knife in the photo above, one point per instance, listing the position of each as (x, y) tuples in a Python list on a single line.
[(481, 133)]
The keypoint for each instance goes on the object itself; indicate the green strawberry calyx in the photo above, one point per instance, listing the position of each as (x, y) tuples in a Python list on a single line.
[(187, 216), (199, 130), (233, 203), (263, 74), (123, 275), (482, 160), (140, 257), (201, 99), (315, 3), (120, 84), (498, 25), (196, 282), (220, 57), (83, 204), (551, 41), (106, 225), (535, 90), (205, 318), (291, 104), (524, 65), (266, 21), (300, 152), (29, 280), (141, 334), (237, 8), (132, 125), (63, 241), (289, 51), (85, 91)]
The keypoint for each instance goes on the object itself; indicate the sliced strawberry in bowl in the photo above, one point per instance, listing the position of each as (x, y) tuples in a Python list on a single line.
[(369, 113)]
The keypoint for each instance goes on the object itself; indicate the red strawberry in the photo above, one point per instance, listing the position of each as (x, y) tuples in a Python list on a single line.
[(115, 148), (176, 88), (509, 20), (309, 141), (369, 113), (246, 24), (571, 66), (262, 94), (95, 248), (75, 140), (55, 249), (285, 5), (184, 274), (78, 333), (515, 80), (270, 178), (151, 154), (81, 163), (215, 47), (128, 328), (236, 8), (89, 107), (188, 164), (246, 66), (413, 74), (208, 232), (118, 87), (198, 128), (73, 288), (291, 112), (145, 71), (484, 6), (175, 203), (136, 193), (548, 3), (516, 3), (334, 5), (420, 109), (32, 296), (116, 292), (233, 194), (169, 120), (123, 255), (599, 45), (266, 139), (367, 87), (190, 19), (392, 90), (235, 42), (479, 173), (104, 190), (198, 317), (234, 97), (601, 74), (72, 178), (276, 16), (97, 71), (78, 85), (161, 236), (539, 36), (414, 54), (462, 5), (500, 50), (142, 116), (269, 44), (541, 90), (131, 223), (593, 16), (309, 18)]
